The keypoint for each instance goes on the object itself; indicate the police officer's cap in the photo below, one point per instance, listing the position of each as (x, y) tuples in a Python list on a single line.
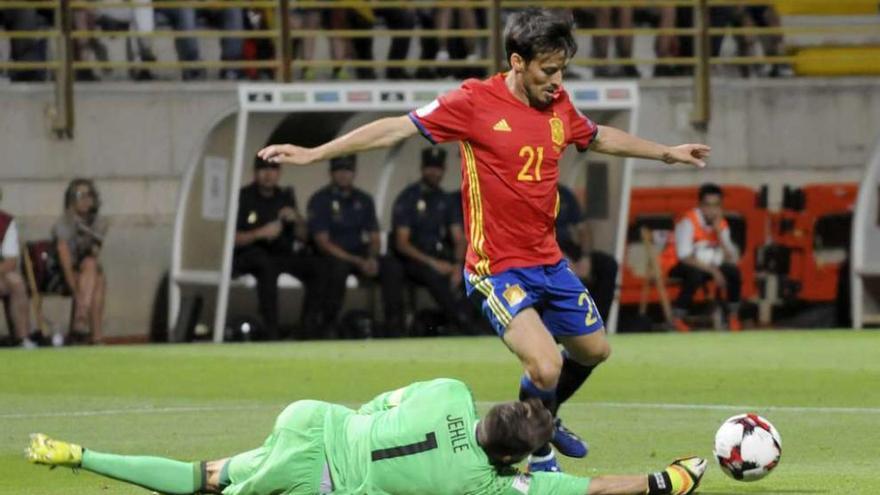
[(345, 162), (433, 157)]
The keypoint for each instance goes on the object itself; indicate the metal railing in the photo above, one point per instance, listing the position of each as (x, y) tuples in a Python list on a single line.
[(62, 36)]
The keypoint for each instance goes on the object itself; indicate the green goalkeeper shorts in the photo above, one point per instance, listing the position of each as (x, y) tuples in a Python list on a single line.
[(291, 460)]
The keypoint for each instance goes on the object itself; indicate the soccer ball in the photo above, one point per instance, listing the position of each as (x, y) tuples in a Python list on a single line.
[(747, 447)]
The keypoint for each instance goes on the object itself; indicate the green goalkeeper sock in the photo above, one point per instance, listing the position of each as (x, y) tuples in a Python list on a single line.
[(154, 473)]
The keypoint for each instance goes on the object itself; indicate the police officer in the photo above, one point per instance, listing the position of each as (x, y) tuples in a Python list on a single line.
[(427, 243), (597, 270), (267, 227), (344, 228)]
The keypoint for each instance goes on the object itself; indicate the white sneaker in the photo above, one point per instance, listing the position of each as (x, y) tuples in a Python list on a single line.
[(57, 340), (27, 343), (442, 56)]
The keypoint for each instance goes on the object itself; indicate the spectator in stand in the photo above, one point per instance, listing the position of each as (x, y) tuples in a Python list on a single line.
[(607, 18), (428, 246), (141, 20), (772, 44), (78, 237), (268, 227), (444, 47), (316, 19), (12, 286), (596, 269), (231, 49), (87, 20), (25, 49), (395, 18), (702, 251), (345, 230), (682, 46)]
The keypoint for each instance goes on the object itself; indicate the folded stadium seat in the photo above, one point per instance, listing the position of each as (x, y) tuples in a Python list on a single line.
[(810, 241)]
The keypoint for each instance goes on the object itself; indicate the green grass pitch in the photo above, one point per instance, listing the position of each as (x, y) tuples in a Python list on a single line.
[(659, 396)]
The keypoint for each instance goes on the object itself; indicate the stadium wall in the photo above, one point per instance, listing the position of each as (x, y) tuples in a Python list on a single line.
[(137, 139)]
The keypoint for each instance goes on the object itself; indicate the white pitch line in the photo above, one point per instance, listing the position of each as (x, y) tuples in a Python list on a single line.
[(134, 410), (610, 405)]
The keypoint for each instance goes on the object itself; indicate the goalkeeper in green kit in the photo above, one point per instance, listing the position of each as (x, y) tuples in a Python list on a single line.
[(422, 439)]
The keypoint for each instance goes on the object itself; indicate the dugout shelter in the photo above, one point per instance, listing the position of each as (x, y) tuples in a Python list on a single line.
[(310, 114)]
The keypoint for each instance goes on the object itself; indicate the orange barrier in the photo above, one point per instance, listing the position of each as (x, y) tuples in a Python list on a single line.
[(810, 240), (657, 208)]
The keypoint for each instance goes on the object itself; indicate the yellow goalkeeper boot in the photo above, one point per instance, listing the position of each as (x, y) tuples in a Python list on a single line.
[(44, 450)]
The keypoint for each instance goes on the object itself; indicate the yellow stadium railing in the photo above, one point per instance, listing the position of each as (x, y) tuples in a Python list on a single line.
[(62, 35)]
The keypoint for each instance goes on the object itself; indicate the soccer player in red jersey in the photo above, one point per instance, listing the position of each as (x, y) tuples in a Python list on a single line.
[(512, 128)]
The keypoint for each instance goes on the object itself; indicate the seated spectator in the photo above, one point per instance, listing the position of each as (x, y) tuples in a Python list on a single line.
[(267, 227), (185, 19), (78, 237), (12, 286), (344, 228), (25, 49), (702, 251), (596, 269), (606, 18), (427, 245)]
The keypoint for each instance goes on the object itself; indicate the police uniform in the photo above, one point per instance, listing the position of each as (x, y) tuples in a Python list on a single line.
[(349, 218), (267, 259), (603, 270), (429, 214)]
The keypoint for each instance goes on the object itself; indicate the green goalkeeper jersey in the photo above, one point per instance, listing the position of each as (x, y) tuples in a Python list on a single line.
[(421, 439)]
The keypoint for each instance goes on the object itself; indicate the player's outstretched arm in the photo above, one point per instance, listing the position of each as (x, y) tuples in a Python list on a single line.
[(613, 141), (380, 133), (681, 478)]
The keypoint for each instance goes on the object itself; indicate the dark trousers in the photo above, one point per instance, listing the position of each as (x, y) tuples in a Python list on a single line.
[(400, 272), (602, 281), (693, 278), (363, 47), (266, 267), (24, 49)]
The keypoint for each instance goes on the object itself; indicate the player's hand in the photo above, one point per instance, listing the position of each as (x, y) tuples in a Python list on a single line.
[(443, 267), (686, 473), (270, 231), (370, 267), (691, 154), (287, 214), (719, 279), (288, 154)]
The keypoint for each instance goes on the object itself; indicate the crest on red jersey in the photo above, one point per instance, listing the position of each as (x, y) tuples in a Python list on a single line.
[(557, 131)]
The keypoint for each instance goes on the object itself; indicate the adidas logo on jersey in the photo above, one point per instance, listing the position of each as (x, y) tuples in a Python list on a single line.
[(501, 126)]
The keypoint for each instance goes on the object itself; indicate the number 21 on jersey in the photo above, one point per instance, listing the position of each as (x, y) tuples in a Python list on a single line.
[(531, 171)]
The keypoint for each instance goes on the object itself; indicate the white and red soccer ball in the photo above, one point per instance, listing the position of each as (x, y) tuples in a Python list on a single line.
[(747, 447)]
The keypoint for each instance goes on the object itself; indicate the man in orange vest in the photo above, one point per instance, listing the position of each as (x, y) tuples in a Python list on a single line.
[(703, 251)]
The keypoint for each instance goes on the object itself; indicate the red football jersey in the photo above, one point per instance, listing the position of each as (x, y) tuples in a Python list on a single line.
[(509, 169)]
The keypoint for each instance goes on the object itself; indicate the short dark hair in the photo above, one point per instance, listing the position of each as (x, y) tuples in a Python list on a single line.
[(344, 162), (709, 189), (511, 433), (260, 164), (532, 32)]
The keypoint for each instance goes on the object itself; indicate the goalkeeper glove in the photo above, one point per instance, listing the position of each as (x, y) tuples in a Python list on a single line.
[(681, 477)]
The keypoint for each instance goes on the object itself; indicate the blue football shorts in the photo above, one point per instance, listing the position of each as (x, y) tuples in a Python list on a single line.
[(563, 302)]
